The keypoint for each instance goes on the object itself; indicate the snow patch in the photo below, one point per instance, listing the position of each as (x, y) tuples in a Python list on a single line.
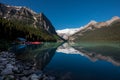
[(69, 31)]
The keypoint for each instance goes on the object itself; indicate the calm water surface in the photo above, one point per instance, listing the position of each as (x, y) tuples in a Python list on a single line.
[(74, 62)]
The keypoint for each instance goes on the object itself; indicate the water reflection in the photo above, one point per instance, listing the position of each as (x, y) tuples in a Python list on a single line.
[(94, 51), (39, 55), (86, 61), (101, 51)]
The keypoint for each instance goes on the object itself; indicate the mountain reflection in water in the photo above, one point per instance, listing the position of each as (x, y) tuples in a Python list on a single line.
[(40, 55), (86, 61), (101, 51)]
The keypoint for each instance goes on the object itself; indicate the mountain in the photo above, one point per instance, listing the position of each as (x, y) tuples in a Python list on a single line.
[(99, 31), (25, 16), (65, 33)]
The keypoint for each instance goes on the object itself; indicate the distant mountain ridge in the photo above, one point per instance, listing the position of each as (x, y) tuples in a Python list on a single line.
[(99, 31), (65, 33), (74, 33)]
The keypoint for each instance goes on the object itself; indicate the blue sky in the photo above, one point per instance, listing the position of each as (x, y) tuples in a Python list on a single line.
[(71, 13)]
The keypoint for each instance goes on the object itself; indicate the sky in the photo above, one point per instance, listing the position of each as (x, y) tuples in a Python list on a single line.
[(71, 13)]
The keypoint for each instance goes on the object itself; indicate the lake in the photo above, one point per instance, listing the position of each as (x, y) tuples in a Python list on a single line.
[(80, 61)]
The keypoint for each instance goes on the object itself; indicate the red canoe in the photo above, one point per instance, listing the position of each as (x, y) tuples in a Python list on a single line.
[(35, 42)]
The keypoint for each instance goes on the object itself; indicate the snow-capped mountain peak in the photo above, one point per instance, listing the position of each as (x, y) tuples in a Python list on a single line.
[(65, 33), (69, 31), (112, 20), (92, 22)]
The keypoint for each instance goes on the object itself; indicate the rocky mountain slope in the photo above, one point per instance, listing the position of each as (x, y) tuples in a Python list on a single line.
[(99, 31), (26, 16)]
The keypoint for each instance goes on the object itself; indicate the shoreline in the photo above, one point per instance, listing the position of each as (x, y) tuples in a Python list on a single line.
[(12, 69)]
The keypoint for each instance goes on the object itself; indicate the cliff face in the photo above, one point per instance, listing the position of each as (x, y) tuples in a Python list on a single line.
[(26, 16)]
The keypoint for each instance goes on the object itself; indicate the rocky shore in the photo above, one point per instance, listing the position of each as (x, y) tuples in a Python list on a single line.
[(13, 69)]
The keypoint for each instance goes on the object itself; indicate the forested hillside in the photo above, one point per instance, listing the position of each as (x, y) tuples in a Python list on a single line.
[(10, 30)]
